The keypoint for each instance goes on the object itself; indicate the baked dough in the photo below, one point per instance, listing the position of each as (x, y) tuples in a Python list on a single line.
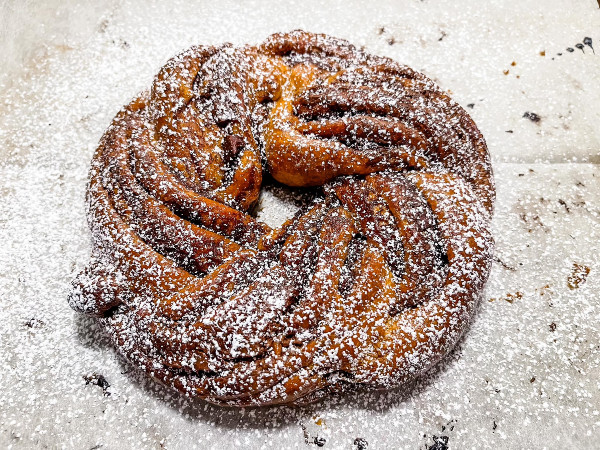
[(369, 285)]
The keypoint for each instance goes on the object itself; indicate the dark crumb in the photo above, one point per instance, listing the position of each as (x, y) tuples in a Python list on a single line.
[(98, 380), (521, 174), (506, 72), (563, 203), (580, 47), (320, 442), (535, 220), (34, 323), (532, 379), (305, 433), (495, 425), (361, 444), (442, 36), (570, 50), (509, 131), (532, 116), (514, 63), (579, 184), (96, 447), (381, 30), (391, 41), (503, 264), (439, 443), (471, 105), (588, 41), (552, 327), (578, 276)]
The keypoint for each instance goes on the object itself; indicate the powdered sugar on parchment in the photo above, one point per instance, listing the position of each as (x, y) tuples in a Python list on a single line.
[(527, 370)]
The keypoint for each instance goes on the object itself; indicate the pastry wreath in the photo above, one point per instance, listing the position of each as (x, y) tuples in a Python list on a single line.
[(369, 285)]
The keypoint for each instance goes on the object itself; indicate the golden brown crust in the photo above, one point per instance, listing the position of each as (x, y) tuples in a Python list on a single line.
[(370, 285)]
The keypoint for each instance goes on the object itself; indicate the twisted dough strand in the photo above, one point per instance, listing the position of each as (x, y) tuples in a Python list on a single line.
[(368, 285)]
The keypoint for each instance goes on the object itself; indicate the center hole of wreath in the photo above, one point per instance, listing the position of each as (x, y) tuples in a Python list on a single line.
[(278, 202)]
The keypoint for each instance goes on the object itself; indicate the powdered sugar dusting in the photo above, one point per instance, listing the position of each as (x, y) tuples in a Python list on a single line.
[(369, 287), (50, 351)]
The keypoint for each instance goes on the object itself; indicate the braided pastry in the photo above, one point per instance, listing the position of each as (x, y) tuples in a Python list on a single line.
[(369, 285)]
